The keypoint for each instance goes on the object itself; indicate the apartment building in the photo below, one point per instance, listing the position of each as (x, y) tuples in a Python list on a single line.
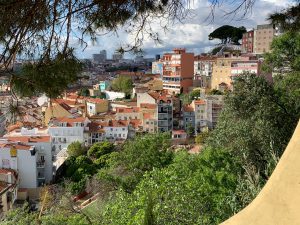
[(22, 158), (188, 116), (203, 66), (248, 42), (131, 113), (207, 111), (65, 130), (149, 117), (157, 67), (263, 37), (95, 106), (178, 71), (230, 65)]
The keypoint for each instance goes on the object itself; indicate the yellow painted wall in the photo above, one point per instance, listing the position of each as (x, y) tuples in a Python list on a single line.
[(279, 201)]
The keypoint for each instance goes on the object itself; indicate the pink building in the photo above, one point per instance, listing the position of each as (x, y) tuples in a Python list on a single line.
[(178, 71)]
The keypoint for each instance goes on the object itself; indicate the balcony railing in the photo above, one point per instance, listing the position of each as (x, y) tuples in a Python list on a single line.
[(40, 164)]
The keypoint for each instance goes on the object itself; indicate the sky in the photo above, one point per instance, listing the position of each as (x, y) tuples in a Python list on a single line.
[(192, 33)]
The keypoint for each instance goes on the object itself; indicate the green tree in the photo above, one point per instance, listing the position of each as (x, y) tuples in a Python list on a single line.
[(144, 153), (122, 84), (228, 34), (284, 56), (254, 124), (76, 149), (192, 190), (99, 149), (201, 137), (84, 92)]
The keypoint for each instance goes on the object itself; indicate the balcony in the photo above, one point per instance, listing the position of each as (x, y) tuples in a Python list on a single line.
[(41, 176), (40, 164)]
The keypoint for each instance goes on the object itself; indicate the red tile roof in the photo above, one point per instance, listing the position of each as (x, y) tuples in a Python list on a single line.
[(97, 100), (127, 110), (199, 102), (31, 139), (188, 108), (17, 146), (148, 106), (148, 115)]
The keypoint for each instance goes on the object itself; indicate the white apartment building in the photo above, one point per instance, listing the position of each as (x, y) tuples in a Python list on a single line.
[(23, 159), (43, 147), (65, 130), (116, 130)]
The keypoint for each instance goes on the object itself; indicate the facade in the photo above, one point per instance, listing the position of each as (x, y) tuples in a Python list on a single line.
[(203, 66), (228, 65), (22, 158), (2, 123), (9, 183), (117, 56), (263, 37), (188, 117), (64, 131), (116, 130), (95, 106), (178, 71), (248, 42), (164, 115), (157, 67), (128, 113)]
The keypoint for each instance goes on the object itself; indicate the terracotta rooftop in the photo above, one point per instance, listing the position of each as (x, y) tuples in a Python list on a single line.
[(199, 102), (135, 123), (17, 146), (148, 115), (31, 139), (188, 108), (148, 106), (127, 110), (96, 100)]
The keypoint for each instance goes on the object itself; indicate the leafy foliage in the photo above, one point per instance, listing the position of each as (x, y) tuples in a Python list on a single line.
[(228, 34), (76, 149), (122, 84), (285, 55), (202, 137), (191, 190), (99, 149), (254, 124), (51, 77)]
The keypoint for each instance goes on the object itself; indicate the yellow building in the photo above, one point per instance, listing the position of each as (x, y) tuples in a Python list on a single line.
[(95, 106)]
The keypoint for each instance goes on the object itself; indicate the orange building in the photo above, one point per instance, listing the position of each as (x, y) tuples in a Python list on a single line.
[(178, 71)]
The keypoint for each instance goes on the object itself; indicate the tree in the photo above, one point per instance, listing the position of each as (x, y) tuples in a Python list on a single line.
[(84, 92), (41, 32), (228, 34), (284, 56), (144, 153), (202, 137), (76, 149), (254, 124), (288, 19), (193, 189), (99, 149), (122, 84), (215, 92)]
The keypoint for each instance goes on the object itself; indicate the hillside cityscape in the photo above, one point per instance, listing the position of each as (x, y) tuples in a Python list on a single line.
[(176, 138)]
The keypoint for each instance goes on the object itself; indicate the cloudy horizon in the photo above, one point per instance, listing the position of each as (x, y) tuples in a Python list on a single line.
[(192, 33)]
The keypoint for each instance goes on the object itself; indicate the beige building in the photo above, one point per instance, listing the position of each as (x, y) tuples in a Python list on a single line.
[(95, 106), (132, 113), (263, 37), (222, 70)]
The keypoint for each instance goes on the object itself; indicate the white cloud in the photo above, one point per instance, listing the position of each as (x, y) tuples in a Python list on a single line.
[(193, 32)]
